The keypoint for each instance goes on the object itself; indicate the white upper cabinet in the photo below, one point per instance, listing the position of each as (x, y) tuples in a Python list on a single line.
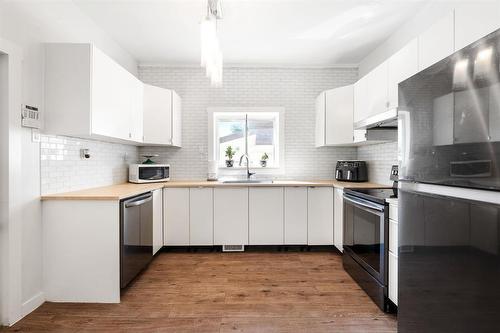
[(89, 95), (376, 93), (360, 101), (474, 21), (334, 117), (162, 116), (402, 65), (437, 42)]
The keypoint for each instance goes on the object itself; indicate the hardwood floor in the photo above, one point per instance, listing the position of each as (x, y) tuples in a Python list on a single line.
[(227, 292)]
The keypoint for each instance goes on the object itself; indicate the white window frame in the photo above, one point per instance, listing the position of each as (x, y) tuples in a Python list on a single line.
[(236, 170)]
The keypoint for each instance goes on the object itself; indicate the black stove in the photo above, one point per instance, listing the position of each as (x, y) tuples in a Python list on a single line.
[(377, 195)]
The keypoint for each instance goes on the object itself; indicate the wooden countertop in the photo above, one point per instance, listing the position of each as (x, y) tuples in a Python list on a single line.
[(122, 191)]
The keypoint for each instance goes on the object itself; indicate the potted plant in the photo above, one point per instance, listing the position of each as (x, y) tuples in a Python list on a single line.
[(230, 152), (263, 160)]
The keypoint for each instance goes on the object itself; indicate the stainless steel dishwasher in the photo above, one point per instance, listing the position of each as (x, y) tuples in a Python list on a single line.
[(136, 236)]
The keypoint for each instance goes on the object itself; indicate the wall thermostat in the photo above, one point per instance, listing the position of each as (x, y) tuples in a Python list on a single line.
[(30, 117)]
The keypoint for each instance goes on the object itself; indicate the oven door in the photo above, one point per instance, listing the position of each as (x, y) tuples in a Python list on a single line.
[(366, 235)]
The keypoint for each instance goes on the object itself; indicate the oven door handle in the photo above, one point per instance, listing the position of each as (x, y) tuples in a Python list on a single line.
[(365, 204)]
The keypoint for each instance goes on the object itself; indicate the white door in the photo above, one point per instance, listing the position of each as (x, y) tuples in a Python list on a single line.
[(295, 215), (377, 90), (176, 213), (320, 120), (157, 220), (474, 20), (201, 216), (437, 42), (360, 100), (320, 216), (339, 115), (176, 120), (402, 65), (265, 211), (338, 219), (231, 216), (157, 103), (137, 115)]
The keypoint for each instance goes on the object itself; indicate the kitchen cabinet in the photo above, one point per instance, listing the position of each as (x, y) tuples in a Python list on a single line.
[(437, 42), (320, 216), (176, 214), (338, 218), (201, 216), (231, 216), (474, 20), (295, 227), (360, 100), (334, 119), (89, 95), (393, 278), (376, 93), (157, 220), (400, 66), (265, 215), (162, 116)]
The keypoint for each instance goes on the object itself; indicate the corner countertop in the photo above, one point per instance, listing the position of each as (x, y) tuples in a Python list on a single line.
[(122, 191)]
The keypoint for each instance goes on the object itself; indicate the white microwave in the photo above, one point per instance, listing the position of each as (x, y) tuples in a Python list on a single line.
[(148, 173)]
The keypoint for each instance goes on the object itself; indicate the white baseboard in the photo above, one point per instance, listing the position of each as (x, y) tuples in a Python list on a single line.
[(33, 303)]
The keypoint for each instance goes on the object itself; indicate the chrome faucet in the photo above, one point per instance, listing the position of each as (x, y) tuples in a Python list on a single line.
[(249, 174)]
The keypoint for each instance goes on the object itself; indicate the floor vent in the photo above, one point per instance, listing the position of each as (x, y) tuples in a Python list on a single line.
[(233, 248)]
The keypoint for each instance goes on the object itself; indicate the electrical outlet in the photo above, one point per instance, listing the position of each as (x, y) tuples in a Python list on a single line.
[(35, 135)]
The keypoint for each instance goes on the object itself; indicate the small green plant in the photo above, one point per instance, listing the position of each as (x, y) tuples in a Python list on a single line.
[(230, 152), (264, 157)]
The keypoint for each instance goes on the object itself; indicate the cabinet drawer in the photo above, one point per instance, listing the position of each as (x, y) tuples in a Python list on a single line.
[(393, 212), (393, 237), (393, 278)]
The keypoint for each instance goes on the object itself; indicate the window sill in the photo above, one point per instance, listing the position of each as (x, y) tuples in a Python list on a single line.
[(251, 168)]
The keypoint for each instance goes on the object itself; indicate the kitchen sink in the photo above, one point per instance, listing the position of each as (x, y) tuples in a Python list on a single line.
[(247, 181)]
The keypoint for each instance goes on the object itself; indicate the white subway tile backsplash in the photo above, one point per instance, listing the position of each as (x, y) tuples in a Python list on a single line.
[(379, 159), (63, 170)]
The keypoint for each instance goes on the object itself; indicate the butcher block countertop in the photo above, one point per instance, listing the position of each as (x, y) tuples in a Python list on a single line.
[(122, 191)]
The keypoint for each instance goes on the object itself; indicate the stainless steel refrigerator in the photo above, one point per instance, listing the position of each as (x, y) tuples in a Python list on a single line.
[(449, 194)]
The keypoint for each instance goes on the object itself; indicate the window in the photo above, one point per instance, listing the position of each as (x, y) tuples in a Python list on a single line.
[(254, 131)]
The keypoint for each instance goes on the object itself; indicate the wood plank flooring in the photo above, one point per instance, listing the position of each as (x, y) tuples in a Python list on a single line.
[(227, 292)]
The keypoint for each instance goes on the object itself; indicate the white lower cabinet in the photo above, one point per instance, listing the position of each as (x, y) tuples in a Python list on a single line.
[(393, 278), (295, 227), (265, 212), (176, 214), (201, 216), (393, 252), (320, 216), (231, 216), (157, 220), (338, 218)]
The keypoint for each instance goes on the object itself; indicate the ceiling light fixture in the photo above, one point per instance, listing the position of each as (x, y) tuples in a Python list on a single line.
[(211, 54)]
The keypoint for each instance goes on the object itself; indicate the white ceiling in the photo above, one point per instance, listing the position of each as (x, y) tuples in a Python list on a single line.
[(257, 32)]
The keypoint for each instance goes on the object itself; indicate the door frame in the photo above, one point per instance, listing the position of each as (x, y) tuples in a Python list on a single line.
[(11, 184)]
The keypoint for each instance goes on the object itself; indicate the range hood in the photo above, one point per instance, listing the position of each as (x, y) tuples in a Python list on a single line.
[(388, 119)]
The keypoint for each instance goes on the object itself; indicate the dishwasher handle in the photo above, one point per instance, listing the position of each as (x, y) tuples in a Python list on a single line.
[(139, 201)]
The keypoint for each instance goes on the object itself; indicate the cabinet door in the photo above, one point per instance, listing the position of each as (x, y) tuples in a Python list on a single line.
[(112, 97), (231, 216), (176, 120), (201, 216), (157, 115), (295, 215), (157, 220), (136, 123), (474, 20), (402, 65), (393, 278), (437, 42), (360, 100), (176, 213), (339, 115), (320, 120), (338, 219), (265, 225), (377, 90), (320, 216)]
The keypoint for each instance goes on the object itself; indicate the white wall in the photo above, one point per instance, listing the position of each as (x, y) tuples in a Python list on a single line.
[(27, 25), (295, 89), (424, 18)]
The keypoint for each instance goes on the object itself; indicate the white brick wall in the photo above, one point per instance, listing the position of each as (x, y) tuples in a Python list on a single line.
[(63, 170), (292, 88), (379, 159)]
